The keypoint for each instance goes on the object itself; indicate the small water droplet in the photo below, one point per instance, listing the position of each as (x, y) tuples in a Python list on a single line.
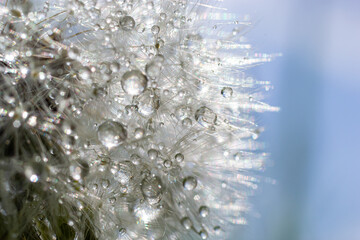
[(139, 133), (227, 92), (127, 23), (153, 154), (186, 222), (204, 211), (133, 82), (179, 157), (111, 134), (205, 117), (203, 234), (190, 183)]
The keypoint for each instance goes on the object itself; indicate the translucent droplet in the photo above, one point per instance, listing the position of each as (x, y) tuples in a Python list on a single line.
[(155, 29), (203, 234), (153, 154), (139, 133), (79, 169), (227, 92), (204, 211), (111, 134), (153, 69), (151, 188), (167, 163), (186, 122), (34, 172), (190, 183), (105, 183), (186, 222), (146, 212), (127, 23), (125, 172), (179, 157), (183, 112), (133, 82), (217, 230), (148, 103), (205, 117)]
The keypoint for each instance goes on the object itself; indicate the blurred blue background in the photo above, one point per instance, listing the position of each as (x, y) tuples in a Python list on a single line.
[(314, 139)]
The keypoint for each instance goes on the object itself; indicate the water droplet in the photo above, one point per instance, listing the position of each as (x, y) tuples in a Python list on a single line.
[(155, 29), (190, 183), (127, 23), (203, 234), (179, 157), (204, 211), (186, 222), (153, 69), (148, 103), (217, 230), (205, 117), (153, 154), (111, 134), (186, 122), (139, 133), (167, 163), (79, 169), (105, 183), (125, 172), (134, 82), (227, 92), (151, 188), (146, 212)]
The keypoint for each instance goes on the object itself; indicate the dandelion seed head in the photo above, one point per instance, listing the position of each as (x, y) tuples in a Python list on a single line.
[(127, 120)]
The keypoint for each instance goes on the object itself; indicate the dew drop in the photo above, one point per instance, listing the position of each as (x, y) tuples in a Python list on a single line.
[(139, 133), (179, 157), (203, 234), (204, 211), (134, 82), (153, 154), (155, 29), (227, 92), (148, 103), (111, 134), (125, 172), (186, 222), (205, 117), (153, 69), (151, 188), (167, 163), (190, 183), (105, 183), (127, 23)]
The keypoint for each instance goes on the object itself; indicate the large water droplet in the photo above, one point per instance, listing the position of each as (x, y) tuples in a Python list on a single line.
[(146, 212), (179, 157), (139, 133), (125, 172), (133, 82), (151, 188), (111, 134), (203, 234), (227, 92), (186, 222), (148, 103), (127, 23), (190, 183), (79, 169), (153, 69), (205, 117), (204, 211)]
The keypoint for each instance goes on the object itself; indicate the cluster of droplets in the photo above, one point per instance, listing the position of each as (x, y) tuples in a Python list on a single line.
[(126, 120)]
